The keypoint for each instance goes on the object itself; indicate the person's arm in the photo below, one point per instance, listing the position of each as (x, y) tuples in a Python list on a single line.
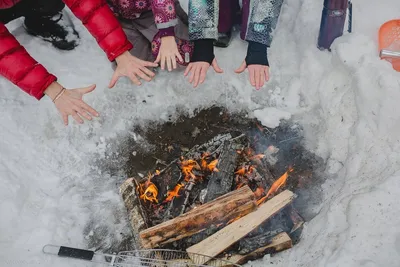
[(260, 20), (98, 18), (20, 68), (166, 19), (203, 30)]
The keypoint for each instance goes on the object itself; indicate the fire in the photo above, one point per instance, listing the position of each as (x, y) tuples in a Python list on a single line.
[(276, 185), (257, 157), (259, 192), (212, 166), (173, 193), (241, 171), (187, 168), (148, 191)]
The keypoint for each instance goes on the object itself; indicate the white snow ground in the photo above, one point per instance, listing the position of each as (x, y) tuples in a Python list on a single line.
[(52, 191)]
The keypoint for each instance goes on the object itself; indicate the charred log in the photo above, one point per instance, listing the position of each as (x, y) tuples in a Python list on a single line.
[(221, 182), (249, 244)]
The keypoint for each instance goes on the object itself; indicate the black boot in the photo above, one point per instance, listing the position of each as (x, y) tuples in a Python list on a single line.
[(224, 39), (58, 30)]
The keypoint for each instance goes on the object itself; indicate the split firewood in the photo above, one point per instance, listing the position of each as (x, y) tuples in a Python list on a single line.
[(279, 243), (249, 244), (136, 215), (297, 220), (229, 235), (221, 182), (220, 211)]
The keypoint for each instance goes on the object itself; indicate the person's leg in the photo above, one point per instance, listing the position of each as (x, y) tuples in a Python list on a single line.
[(141, 45), (228, 10), (47, 20)]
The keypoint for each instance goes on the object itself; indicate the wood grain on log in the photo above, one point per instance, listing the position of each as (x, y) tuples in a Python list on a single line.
[(229, 235), (223, 209), (137, 217)]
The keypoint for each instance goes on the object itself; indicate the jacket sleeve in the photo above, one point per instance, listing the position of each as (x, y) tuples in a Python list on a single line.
[(259, 19), (98, 18), (20, 68), (164, 13), (203, 19)]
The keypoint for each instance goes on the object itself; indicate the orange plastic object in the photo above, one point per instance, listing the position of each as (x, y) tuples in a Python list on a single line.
[(389, 38)]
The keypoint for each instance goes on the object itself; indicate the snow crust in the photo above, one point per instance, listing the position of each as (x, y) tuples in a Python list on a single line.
[(54, 190)]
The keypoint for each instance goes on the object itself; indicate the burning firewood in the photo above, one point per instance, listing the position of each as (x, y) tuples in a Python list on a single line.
[(223, 209), (221, 182), (226, 237)]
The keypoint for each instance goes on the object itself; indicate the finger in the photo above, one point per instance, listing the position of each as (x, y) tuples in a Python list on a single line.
[(197, 77), (252, 77), (158, 58), (65, 119), (163, 63), (114, 79), (262, 78), (134, 79), (148, 64), (89, 109), (83, 113), (241, 68), (142, 75), (147, 71), (77, 118), (192, 74), (179, 56), (169, 63), (87, 89), (203, 74), (174, 62), (187, 70), (216, 67), (257, 77), (266, 71)]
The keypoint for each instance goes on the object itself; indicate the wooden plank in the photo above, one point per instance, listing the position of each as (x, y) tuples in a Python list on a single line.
[(279, 243), (222, 210), (229, 235)]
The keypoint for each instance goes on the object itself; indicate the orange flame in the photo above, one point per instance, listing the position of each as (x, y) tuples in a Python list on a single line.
[(149, 193), (241, 171), (275, 186), (259, 192), (173, 193), (212, 166), (257, 157)]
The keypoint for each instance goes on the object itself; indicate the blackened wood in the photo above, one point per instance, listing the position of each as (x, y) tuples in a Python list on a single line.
[(220, 182), (249, 244)]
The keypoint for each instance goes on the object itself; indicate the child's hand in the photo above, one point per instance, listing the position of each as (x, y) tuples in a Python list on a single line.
[(258, 74), (199, 71), (131, 67), (168, 53)]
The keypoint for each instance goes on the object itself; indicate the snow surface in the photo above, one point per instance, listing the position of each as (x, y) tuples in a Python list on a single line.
[(54, 190)]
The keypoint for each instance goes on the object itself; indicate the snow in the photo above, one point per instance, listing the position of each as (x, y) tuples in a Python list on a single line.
[(55, 189)]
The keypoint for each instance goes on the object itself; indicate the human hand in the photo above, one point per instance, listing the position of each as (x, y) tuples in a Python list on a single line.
[(70, 103), (199, 71), (130, 66), (168, 53), (258, 74)]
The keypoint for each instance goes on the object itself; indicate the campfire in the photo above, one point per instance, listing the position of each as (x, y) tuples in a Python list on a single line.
[(219, 199)]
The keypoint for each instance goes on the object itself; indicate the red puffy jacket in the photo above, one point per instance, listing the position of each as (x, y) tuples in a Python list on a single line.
[(25, 72)]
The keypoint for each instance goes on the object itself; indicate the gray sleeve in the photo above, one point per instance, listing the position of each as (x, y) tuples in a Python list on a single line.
[(263, 17), (203, 19)]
